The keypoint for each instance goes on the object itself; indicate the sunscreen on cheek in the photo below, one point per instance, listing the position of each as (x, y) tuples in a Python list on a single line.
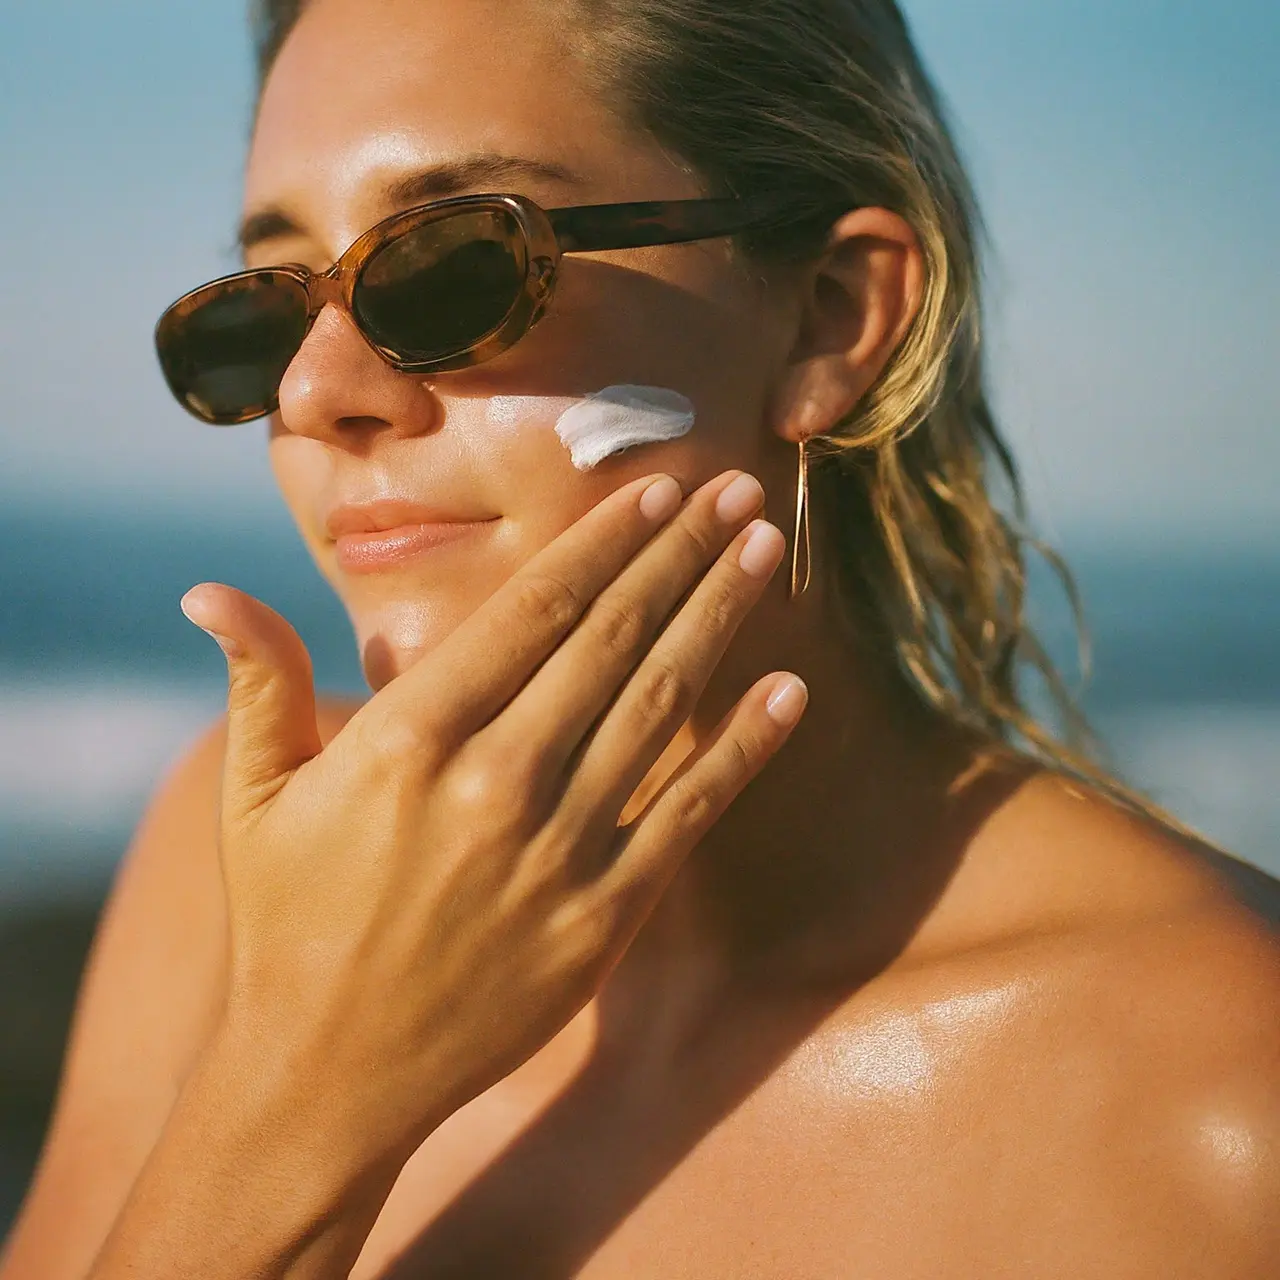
[(620, 418), (602, 424)]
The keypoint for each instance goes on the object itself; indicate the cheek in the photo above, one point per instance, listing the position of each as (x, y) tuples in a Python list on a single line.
[(302, 471), (659, 348), (625, 377), (630, 373), (603, 424)]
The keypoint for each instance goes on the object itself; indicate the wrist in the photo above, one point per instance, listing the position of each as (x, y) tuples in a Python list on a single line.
[(362, 1117), (253, 1174), (268, 1113)]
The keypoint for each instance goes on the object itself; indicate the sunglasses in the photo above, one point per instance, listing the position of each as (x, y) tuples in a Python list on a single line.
[(447, 285)]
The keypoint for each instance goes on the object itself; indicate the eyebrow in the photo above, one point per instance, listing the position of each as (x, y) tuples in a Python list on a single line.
[(435, 183)]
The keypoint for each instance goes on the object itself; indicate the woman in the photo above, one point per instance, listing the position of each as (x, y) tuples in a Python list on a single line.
[(509, 972)]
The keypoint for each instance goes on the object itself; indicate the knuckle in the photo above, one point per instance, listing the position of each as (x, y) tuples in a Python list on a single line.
[(500, 781), (251, 684), (699, 800), (389, 744), (694, 807), (546, 601), (739, 763), (662, 690), (479, 787), (723, 608), (617, 626)]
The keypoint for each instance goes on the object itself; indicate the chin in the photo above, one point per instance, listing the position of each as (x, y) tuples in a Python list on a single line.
[(400, 635)]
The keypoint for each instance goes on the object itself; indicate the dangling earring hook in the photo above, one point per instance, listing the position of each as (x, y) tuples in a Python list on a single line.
[(802, 520)]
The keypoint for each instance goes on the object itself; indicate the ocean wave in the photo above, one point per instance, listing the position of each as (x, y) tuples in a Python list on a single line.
[(88, 754)]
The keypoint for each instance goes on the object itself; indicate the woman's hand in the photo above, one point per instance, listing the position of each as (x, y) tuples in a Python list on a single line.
[(419, 907)]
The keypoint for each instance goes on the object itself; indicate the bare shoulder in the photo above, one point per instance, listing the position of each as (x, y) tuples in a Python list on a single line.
[(1190, 928), (1087, 1041), (1184, 1014), (1153, 967), (1082, 1071), (148, 999)]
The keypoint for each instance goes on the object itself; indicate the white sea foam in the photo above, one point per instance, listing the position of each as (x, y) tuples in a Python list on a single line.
[(89, 753), (78, 762)]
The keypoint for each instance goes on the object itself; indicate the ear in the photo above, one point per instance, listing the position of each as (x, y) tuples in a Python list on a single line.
[(858, 302)]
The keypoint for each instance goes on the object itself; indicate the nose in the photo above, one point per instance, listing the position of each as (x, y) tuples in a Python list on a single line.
[(338, 388)]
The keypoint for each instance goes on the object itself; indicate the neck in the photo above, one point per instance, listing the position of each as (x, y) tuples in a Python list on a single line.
[(825, 870)]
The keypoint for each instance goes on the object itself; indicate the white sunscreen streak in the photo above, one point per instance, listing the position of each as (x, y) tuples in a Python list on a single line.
[(619, 418), (605, 423)]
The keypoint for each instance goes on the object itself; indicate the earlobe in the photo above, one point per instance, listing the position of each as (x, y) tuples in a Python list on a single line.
[(862, 298), (813, 396)]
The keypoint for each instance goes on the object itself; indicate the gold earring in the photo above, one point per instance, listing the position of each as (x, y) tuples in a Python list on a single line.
[(802, 519)]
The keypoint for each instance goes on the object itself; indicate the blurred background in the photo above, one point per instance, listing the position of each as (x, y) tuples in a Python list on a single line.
[(1127, 153)]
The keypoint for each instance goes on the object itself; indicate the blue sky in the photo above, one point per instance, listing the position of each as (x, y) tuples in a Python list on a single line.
[(1127, 155)]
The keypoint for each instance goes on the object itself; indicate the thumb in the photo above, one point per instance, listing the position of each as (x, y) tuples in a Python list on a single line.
[(271, 701)]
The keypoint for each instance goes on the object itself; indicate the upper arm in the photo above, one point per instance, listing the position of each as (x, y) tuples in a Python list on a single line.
[(149, 999)]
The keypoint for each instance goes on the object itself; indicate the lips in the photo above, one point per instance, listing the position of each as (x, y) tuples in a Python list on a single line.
[(380, 536), (387, 514)]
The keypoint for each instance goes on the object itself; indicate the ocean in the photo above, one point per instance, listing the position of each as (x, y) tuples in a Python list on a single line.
[(103, 681)]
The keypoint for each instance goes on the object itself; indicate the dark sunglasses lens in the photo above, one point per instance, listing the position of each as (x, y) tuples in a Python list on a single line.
[(225, 348), (438, 290)]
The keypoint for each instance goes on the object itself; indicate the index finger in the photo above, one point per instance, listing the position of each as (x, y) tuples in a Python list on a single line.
[(481, 666)]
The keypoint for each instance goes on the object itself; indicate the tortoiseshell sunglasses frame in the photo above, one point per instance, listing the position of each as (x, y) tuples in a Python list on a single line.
[(545, 235)]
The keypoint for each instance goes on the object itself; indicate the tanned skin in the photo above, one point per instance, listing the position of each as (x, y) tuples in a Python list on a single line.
[(862, 1010)]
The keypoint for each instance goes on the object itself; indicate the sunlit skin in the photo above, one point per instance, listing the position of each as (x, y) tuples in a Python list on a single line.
[(350, 428), (890, 1019)]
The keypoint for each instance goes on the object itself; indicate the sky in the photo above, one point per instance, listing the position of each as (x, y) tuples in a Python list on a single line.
[(1126, 153)]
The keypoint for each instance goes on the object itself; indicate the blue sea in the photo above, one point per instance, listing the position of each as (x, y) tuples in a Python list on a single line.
[(103, 681)]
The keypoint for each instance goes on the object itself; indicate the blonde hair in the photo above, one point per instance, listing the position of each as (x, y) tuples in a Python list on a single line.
[(827, 101)]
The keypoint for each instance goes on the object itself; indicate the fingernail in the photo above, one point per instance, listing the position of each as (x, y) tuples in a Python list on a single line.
[(227, 645), (787, 702), (763, 551), (739, 499), (661, 499)]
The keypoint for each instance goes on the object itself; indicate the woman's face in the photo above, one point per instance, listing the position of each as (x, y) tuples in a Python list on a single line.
[(366, 96)]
